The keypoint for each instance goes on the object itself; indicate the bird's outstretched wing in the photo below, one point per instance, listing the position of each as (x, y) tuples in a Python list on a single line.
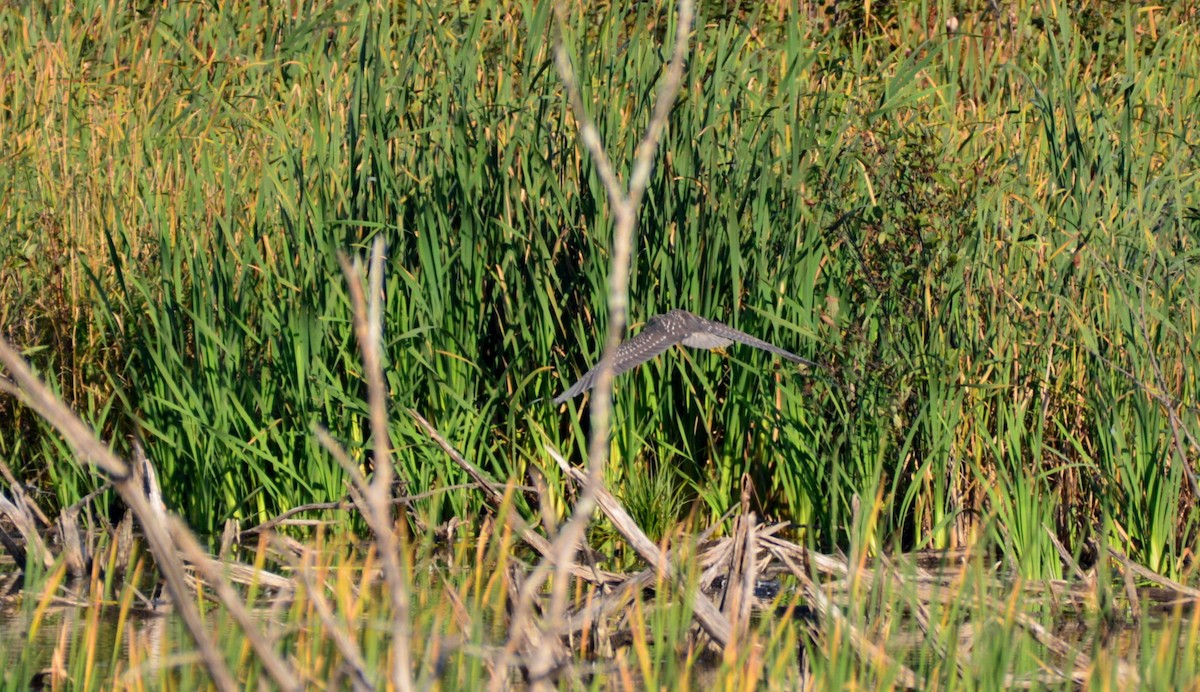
[(710, 331), (657, 336), (663, 332)]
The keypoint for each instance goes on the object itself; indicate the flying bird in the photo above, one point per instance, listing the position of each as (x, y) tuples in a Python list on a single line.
[(664, 331)]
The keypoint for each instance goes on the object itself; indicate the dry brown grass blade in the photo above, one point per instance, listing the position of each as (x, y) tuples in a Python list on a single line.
[(92, 451), (341, 639)]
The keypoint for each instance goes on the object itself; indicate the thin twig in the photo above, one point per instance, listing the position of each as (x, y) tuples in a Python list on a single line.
[(368, 327), (624, 207), (285, 518), (92, 451)]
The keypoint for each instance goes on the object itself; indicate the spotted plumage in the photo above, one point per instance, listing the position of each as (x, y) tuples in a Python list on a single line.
[(664, 331)]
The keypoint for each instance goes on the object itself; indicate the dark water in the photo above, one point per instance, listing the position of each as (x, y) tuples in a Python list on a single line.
[(30, 646)]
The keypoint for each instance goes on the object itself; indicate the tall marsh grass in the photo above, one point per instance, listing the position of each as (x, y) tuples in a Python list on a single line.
[(988, 237), (986, 234)]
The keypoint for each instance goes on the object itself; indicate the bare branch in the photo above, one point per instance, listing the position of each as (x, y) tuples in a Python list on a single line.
[(588, 134), (706, 613), (644, 157), (624, 206), (535, 540), (92, 451), (368, 324)]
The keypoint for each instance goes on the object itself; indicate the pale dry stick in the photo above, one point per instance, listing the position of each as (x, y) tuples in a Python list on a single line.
[(737, 596), (742, 577), (1150, 575), (749, 570), (282, 519), (26, 525), (23, 498), (210, 570), (476, 475), (368, 327), (540, 653), (527, 593), (535, 540), (16, 552), (716, 562), (25, 516), (607, 603), (1064, 555), (624, 206), (285, 518), (522, 632), (357, 485), (830, 565), (246, 575), (74, 552), (29, 389), (709, 616), (525, 596), (356, 489), (214, 575)]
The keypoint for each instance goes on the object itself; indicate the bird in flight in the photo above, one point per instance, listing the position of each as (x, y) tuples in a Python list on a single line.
[(663, 332)]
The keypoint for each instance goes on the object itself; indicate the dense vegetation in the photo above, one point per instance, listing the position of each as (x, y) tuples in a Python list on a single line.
[(988, 236)]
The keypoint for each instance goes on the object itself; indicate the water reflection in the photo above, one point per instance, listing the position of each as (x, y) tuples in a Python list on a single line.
[(38, 651)]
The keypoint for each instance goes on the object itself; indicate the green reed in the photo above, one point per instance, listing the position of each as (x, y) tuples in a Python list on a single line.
[(108, 644), (986, 237)]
